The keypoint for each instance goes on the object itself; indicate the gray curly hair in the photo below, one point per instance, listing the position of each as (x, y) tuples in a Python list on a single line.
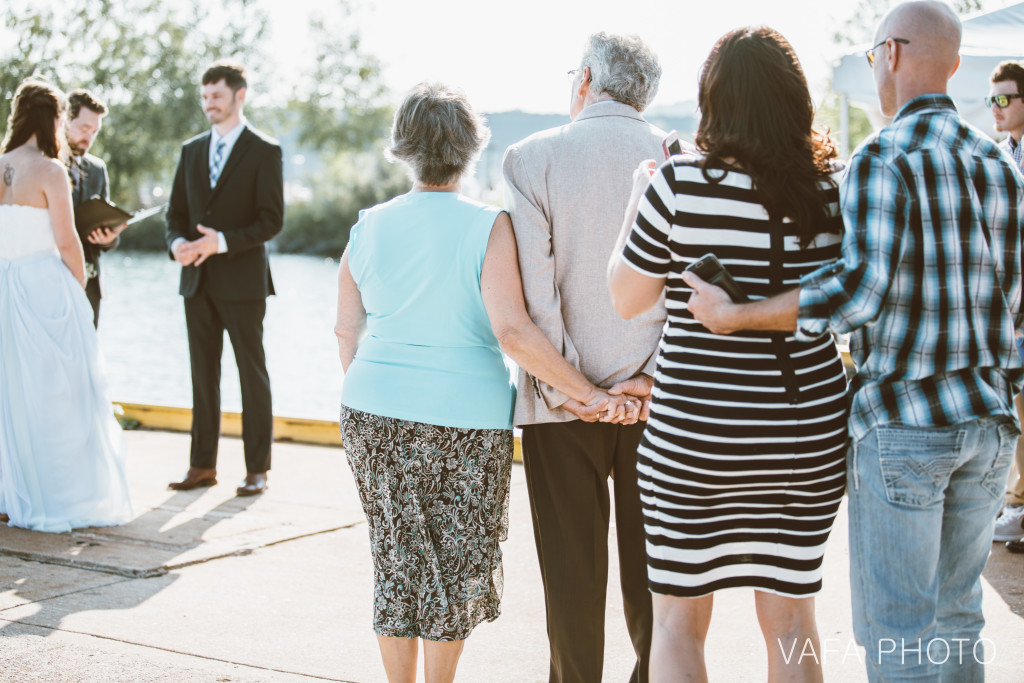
[(623, 67), (436, 134)]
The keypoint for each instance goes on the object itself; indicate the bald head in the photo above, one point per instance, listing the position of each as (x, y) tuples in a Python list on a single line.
[(933, 30), (925, 63)]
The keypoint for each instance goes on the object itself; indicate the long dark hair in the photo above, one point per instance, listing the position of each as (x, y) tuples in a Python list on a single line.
[(756, 108), (35, 106)]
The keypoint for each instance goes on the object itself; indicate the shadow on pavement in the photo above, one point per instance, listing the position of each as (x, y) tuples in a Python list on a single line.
[(173, 534)]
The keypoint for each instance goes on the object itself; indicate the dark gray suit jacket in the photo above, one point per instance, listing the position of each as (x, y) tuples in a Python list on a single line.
[(247, 206), (92, 182)]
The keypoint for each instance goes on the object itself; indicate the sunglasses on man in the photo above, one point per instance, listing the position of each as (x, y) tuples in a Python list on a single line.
[(870, 54), (1001, 101)]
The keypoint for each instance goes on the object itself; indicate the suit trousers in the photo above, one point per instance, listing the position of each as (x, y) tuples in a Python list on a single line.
[(567, 469), (207, 318)]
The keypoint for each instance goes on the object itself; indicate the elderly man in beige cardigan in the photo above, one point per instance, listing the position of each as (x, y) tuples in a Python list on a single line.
[(567, 190)]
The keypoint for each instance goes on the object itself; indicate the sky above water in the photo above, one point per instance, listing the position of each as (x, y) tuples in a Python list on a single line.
[(514, 55)]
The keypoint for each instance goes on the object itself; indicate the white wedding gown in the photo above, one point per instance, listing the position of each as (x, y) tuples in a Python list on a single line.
[(61, 454)]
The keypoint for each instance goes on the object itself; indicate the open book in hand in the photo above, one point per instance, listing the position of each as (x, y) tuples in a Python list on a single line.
[(100, 213)]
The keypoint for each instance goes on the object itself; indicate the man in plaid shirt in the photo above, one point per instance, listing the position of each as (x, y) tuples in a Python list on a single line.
[(930, 288), (1006, 103)]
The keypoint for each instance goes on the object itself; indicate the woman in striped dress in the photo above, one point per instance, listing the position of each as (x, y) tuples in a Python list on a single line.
[(742, 464)]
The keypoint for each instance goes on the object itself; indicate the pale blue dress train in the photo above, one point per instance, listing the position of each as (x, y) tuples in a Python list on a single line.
[(61, 456)]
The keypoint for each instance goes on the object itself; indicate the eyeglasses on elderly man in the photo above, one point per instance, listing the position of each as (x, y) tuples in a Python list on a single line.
[(571, 73)]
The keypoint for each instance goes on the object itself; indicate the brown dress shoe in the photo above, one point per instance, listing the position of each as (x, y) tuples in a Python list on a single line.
[(196, 477), (253, 484)]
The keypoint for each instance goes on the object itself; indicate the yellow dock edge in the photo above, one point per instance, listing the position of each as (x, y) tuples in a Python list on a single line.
[(295, 429)]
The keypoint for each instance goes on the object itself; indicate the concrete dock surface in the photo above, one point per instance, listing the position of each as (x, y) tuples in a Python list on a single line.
[(204, 586)]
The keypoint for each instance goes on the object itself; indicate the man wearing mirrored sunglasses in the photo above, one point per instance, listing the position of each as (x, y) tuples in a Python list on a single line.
[(1007, 105)]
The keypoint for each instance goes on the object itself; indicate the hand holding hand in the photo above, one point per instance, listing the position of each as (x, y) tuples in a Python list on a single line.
[(183, 254), (602, 406), (587, 413), (206, 246), (625, 410), (105, 236), (639, 386), (711, 306)]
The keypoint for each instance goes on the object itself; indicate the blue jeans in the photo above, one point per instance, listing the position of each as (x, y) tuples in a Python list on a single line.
[(921, 507)]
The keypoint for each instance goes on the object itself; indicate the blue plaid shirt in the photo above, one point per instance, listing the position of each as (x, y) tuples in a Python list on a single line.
[(930, 279), (1015, 150)]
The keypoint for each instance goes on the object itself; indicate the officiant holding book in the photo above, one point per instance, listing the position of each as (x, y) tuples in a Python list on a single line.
[(89, 179)]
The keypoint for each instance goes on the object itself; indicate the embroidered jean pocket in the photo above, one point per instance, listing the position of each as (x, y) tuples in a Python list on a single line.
[(994, 479), (916, 464)]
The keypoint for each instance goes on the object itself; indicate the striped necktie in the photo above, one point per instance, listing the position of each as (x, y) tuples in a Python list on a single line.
[(217, 164)]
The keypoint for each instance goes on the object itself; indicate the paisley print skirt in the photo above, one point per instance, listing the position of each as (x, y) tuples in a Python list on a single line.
[(436, 503)]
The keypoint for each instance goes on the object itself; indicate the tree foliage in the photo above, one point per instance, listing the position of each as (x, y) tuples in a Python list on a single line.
[(341, 104), (320, 224), (827, 117), (145, 57)]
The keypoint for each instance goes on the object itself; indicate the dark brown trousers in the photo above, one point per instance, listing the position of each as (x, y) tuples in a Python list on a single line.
[(567, 469)]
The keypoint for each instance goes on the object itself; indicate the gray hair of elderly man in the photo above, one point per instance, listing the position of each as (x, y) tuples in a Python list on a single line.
[(436, 134), (622, 67)]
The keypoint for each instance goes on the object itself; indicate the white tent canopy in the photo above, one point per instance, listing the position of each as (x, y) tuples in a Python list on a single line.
[(989, 38)]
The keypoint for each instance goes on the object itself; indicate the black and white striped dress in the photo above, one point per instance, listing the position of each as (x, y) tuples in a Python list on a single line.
[(742, 464)]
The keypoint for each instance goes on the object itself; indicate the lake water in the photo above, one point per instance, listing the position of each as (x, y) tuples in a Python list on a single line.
[(142, 335)]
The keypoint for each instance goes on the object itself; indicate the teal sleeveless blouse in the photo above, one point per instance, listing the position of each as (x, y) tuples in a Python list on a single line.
[(429, 354)]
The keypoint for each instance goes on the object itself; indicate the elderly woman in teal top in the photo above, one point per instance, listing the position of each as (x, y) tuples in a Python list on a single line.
[(432, 279)]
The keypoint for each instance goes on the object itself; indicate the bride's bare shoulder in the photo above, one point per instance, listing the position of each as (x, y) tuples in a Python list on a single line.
[(55, 167), (53, 176)]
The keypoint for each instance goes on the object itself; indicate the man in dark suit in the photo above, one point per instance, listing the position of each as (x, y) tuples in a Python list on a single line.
[(89, 179), (227, 201)]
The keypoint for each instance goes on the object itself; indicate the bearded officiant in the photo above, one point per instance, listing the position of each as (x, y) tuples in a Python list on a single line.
[(89, 179)]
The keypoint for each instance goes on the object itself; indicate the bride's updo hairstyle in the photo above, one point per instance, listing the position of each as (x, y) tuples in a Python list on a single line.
[(436, 134), (35, 107)]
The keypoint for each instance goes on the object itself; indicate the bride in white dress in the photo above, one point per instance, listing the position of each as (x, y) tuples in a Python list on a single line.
[(61, 455)]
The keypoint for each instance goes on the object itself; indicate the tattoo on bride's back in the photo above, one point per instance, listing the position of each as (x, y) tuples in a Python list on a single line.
[(8, 175)]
